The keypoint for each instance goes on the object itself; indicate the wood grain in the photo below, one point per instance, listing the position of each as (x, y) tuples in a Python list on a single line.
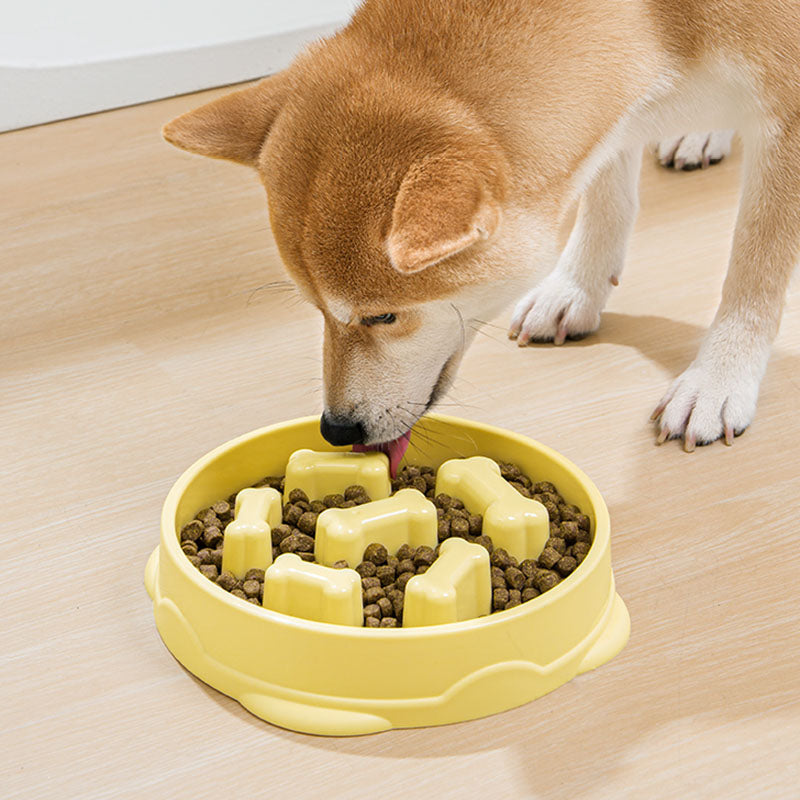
[(144, 320)]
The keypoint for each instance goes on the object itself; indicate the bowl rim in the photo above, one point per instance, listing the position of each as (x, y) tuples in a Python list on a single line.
[(170, 537)]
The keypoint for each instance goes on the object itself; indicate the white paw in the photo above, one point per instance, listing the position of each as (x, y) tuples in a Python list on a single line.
[(704, 404), (554, 311), (694, 150)]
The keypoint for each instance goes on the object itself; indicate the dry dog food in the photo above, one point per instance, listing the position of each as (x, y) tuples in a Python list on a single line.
[(384, 575)]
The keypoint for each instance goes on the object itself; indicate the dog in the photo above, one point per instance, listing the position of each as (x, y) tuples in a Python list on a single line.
[(419, 162)]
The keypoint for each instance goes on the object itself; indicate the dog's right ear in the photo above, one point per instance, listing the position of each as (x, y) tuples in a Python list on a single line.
[(234, 126), (444, 206)]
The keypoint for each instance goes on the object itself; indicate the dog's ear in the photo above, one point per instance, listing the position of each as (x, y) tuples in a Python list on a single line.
[(444, 206), (234, 126)]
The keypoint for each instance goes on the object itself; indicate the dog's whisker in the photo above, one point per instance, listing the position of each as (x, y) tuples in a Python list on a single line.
[(489, 324)]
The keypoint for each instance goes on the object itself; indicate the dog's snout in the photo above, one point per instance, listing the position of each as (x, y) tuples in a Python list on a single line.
[(340, 431)]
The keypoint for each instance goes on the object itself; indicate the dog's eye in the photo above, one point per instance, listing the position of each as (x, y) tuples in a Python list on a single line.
[(380, 319)]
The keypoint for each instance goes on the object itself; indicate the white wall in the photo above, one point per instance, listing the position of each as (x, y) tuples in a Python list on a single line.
[(63, 58)]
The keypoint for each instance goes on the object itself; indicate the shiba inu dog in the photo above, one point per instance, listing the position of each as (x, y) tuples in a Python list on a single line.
[(418, 164)]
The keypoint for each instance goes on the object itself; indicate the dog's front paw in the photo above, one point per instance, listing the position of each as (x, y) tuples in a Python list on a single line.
[(694, 150), (703, 405), (556, 310)]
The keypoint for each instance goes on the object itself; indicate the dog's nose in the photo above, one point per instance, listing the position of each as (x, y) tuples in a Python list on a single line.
[(340, 432)]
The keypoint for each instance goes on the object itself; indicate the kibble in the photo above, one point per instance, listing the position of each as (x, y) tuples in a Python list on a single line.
[(212, 537), (498, 578), (406, 565), (548, 558), (406, 551), (403, 579), (227, 581), (566, 565), (189, 547), (372, 610), (279, 533), (557, 544), (373, 594), (515, 578), (297, 496), (397, 599), (384, 577), (222, 508), (366, 569), (500, 558), (354, 492), (192, 530), (386, 574), (376, 553), (499, 599), (385, 605), (307, 522), (580, 550), (569, 531), (292, 514), (424, 557), (546, 580), (297, 543)]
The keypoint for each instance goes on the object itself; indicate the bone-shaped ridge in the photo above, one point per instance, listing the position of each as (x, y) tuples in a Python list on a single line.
[(407, 517), (248, 538), (455, 588), (322, 473), (313, 591), (518, 524)]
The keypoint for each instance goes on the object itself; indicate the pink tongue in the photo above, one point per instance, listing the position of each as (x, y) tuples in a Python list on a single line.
[(395, 449)]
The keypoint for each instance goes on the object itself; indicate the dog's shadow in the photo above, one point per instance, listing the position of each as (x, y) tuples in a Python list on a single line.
[(596, 724), (667, 342)]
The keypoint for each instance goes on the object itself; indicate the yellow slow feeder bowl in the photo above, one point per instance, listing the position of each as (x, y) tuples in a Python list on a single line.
[(341, 680)]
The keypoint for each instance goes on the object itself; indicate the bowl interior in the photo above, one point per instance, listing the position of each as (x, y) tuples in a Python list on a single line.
[(434, 439)]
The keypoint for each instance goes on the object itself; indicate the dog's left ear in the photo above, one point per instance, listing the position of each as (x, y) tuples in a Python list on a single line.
[(234, 126), (444, 206)]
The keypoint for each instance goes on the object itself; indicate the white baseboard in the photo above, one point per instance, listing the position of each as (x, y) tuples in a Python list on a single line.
[(68, 81)]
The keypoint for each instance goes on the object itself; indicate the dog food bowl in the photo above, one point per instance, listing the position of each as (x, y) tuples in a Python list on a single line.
[(335, 679)]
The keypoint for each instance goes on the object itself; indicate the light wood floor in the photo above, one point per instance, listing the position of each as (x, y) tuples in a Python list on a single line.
[(139, 329)]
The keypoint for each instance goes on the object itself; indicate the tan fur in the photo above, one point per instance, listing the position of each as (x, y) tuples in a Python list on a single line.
[(432, 147)]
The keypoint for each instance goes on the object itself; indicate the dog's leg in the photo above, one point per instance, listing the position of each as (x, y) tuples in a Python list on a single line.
[(568, 302), (694, 150), (716, 396)]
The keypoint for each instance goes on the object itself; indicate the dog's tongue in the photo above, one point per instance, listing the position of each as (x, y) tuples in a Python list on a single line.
[(395, 449)]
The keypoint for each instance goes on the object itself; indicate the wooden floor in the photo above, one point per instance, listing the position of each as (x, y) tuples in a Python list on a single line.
[(140, 327)]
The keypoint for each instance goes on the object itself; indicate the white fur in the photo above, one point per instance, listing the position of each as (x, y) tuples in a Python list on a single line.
[(694, 150), (717, 394)]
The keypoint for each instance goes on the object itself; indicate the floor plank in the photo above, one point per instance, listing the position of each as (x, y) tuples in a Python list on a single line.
[(144, 320)]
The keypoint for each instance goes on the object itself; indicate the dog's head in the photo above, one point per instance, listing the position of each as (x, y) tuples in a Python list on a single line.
[(389, 204)]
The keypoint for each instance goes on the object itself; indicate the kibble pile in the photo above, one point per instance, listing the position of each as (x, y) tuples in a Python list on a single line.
[(384, 576)]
